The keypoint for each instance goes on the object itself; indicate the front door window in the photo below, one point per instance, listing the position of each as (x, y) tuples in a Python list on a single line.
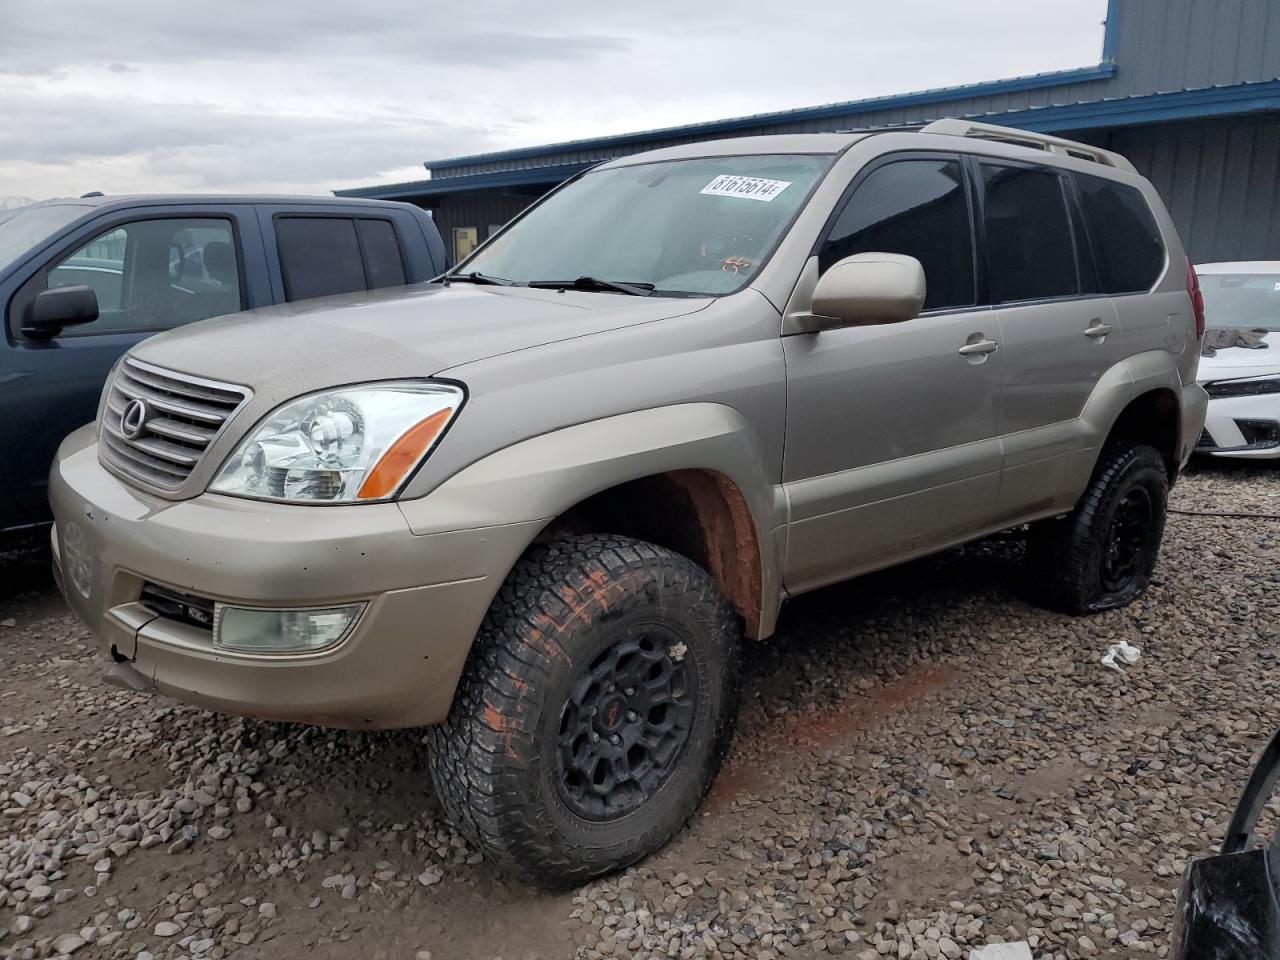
[(155, 274)]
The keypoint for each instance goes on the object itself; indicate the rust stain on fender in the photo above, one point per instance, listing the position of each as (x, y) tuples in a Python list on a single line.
[(729, 537)]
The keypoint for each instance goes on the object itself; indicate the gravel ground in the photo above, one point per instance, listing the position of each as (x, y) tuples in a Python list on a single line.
[(925, 763)]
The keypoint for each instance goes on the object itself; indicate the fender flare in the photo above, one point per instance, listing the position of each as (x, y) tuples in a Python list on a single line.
[(542, 477), (1125, 382)]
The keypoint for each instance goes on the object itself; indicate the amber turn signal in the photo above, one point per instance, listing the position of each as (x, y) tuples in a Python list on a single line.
[(402, 455)]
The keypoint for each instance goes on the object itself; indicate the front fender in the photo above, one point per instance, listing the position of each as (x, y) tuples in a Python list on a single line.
[(542, 477)]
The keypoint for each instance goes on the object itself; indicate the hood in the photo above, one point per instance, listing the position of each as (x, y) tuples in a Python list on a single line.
[(413, 331), (1231, 363)]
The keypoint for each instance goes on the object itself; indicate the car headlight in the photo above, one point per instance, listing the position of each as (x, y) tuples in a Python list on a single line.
[(342, 445), (1257, 387)]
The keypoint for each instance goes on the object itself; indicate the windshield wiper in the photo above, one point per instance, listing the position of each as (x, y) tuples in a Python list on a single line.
[(480, 278), (595, 283)]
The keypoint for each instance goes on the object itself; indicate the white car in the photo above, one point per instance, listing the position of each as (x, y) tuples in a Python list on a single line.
[(1242, 376)]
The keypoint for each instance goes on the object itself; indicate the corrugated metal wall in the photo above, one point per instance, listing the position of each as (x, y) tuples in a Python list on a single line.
[(1219, 180), (479, 210), (1163, 45)]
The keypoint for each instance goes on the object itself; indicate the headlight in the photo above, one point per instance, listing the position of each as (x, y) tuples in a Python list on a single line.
[(1256, 387), (353, 443)]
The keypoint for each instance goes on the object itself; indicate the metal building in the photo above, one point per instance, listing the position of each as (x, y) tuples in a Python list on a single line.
[(1189, 90)]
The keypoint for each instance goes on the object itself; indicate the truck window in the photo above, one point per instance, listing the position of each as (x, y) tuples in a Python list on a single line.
[(1127, 246), (1030, 250), (382, 258), (323, 256), (319, 256), (917, 208), (155, 274)]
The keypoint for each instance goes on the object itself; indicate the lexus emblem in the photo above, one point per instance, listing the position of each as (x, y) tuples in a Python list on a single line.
[(134, 419)]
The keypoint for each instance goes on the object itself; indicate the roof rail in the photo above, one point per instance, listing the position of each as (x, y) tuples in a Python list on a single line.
[(1026, 138)]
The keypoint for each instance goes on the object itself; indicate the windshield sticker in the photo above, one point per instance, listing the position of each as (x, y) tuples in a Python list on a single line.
[(748, 188)]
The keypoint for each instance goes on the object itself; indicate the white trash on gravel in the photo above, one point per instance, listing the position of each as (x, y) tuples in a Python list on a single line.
[(1120, 651), (1002, 951)]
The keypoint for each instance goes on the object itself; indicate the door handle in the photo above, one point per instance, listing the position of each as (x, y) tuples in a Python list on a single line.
[(1098, 329), (982, 346)]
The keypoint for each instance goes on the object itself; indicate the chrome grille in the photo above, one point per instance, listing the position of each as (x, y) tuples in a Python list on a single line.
[(183, 415)]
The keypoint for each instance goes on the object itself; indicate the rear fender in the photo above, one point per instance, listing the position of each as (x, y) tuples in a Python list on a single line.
[(1116, 389)]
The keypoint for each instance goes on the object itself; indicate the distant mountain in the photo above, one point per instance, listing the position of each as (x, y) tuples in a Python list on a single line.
[(8, 203)]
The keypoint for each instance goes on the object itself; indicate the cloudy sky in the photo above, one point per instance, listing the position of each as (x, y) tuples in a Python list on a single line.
[(232, 95)]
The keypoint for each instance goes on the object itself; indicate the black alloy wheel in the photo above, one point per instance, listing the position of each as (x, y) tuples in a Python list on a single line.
[(1127, 540), (625, 725)]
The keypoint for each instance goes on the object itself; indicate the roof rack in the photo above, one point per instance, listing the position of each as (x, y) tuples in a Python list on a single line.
[(1026, 138)]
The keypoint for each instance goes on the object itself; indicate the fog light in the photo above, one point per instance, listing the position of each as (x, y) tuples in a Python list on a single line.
[(281, 631)]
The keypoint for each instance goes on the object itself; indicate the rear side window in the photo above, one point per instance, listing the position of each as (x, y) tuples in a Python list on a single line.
[(319, 257), (1128, 250), (917, 208), (323, 256), (381, 252), (1030, 250)]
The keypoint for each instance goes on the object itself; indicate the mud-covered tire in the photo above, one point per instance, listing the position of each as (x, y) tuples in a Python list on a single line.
[(1078, 564), (499, 761)]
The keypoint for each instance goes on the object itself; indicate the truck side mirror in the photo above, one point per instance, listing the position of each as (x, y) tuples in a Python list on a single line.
[(60, 307)]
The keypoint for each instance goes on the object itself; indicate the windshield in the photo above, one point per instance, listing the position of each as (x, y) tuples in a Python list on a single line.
[(1250, 300), (698, 227), (28, 227)]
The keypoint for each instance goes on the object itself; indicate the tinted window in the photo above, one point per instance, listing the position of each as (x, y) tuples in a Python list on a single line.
[(381, 253), (917, 208), (1127, 248), (155, 274), (1030, 252), (319, 256)]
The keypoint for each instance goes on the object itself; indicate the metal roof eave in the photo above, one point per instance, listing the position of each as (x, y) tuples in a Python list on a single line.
[(425, 189), (1202, 104), (1205, 103), (712, 128)]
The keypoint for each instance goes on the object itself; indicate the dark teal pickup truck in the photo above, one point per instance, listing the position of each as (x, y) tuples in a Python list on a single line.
[(83, 280)]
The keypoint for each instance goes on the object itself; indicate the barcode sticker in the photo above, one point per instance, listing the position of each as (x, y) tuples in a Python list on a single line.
[(748, 188)]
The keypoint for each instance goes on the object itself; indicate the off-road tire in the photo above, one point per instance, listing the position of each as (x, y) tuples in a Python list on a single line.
[(496, 761), (1068, 558)]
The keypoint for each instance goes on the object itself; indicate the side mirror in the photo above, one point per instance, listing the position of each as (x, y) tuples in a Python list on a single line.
[(60, 307), (864, 290)]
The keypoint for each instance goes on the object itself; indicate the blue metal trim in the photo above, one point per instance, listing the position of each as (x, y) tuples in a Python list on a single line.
[(534, 176), (1109, 30), (1201, 104), (849, 108)]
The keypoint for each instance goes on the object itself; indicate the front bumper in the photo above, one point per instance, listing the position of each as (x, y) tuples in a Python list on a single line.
[(1242, 427), (424, 595)]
